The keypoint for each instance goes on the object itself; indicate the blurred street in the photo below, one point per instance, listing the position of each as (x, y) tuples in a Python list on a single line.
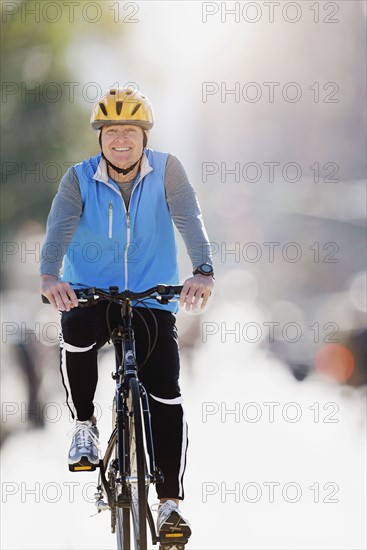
[(235, 453)]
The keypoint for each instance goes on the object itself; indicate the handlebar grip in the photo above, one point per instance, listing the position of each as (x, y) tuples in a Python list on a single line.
[(169, 289), (83, 302)]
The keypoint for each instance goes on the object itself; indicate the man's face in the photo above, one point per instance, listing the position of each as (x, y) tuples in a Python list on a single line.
[(122, 144)]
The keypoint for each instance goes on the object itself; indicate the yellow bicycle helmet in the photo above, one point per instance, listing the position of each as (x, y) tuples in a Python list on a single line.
[(122, 106)]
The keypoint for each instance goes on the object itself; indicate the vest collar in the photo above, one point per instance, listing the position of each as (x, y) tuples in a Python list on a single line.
[(102, 173)]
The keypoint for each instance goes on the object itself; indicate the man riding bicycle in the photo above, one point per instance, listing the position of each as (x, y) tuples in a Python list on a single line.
[(112, 219)]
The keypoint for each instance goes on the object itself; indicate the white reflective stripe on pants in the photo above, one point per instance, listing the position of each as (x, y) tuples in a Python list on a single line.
[(76, 349)]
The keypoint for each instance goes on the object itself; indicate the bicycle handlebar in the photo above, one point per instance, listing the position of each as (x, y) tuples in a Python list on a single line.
[(91, 296)]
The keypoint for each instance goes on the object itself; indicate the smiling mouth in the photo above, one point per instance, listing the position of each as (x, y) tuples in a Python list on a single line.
[(121, 149)]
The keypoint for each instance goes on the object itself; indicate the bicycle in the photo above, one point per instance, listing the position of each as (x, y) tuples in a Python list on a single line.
[(129, 459)]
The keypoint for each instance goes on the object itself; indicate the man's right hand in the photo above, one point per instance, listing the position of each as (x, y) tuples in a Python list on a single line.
[(59, 294)]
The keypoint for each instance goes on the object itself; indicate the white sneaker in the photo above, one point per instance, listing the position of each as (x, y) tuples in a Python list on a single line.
[(84, 450), (173, 529)]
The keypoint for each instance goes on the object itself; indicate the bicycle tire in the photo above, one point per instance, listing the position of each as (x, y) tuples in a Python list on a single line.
[(122, 520), (137, 468), (123, 528)]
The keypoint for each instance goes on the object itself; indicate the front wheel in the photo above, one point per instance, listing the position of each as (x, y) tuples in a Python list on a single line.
[(123, 528), (137, 467), (120, 519)]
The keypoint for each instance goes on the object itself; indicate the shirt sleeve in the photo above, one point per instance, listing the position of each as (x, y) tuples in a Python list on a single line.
[(186, 213), (62, 222)]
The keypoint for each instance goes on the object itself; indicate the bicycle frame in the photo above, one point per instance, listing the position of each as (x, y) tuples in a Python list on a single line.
[(123, 341), (126, 368)]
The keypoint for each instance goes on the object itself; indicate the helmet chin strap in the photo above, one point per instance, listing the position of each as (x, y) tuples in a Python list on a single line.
[(122, 171)]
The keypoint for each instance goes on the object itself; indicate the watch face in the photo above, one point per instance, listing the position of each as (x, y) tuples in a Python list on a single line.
[(206, 268)]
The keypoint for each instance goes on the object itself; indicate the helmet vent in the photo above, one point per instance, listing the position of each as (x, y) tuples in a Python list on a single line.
[(103, 109), (135, 109), (112, 92), (118, 107)]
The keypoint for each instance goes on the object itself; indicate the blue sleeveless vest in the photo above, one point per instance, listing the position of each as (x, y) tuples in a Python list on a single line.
[(134, 249)]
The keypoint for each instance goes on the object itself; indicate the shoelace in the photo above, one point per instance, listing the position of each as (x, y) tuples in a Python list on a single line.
[(82, 433)]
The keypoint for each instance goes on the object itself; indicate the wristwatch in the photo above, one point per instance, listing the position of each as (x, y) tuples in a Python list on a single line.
[(204, 269)]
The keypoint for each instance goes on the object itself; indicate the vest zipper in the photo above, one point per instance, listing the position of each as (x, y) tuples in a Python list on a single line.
[(127, 246), (110, 218), (127, 211)]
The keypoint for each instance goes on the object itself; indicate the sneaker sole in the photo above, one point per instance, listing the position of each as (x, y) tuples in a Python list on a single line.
[(175, 533)]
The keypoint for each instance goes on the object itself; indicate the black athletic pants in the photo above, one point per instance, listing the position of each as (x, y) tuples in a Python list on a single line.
[(85, 331)]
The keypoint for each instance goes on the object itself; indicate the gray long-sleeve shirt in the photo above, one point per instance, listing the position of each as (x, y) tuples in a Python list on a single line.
[(67, 208)]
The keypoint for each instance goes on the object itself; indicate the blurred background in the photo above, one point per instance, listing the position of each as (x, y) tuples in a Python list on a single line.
[(264, 104)]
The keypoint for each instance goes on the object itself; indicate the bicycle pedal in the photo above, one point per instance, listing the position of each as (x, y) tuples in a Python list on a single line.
[(82, 466)]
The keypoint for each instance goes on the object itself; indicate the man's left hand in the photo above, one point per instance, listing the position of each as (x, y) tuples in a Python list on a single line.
[(196, 288)]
